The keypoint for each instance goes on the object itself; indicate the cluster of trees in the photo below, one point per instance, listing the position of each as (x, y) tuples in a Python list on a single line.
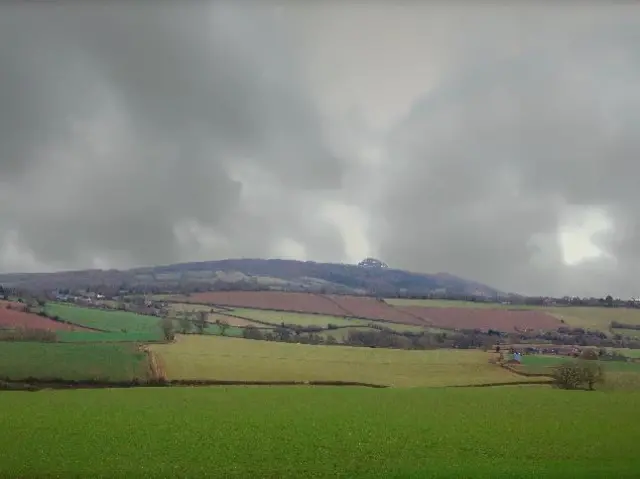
[(367, 337), (189, 325)]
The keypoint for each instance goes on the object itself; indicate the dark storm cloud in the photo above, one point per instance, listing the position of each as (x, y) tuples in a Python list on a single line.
[(485, 166), (120, 121)]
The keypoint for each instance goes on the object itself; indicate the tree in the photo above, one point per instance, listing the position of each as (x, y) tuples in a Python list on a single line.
[(609, 301), (223, 326), (185, 325), (167, 326), (578, 374), (201, 322)]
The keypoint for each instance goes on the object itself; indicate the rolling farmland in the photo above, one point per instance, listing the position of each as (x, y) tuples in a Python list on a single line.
[(362, 307)]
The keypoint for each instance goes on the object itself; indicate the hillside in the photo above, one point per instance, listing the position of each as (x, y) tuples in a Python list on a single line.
[(253, 274)]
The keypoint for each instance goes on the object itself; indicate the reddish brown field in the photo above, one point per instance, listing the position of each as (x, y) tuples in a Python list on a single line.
[(309, 303), (370, 308), (296, 302), (16, 317), (498, 319)]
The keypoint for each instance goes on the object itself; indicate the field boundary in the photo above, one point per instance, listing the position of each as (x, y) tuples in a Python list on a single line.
[(525, 374), (499, 384), (33, 384)]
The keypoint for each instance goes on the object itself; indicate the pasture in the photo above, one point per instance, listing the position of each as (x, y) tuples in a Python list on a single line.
[(319, 432), (217, 358), (618, 375), (73, 362), (115, 321)]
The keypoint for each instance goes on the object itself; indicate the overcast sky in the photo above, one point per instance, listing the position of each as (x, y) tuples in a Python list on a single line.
[(499, 144)]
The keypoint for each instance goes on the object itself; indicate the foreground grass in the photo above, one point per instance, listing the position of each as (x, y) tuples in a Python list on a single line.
[(319, 432), (198, 357), (44, 361)]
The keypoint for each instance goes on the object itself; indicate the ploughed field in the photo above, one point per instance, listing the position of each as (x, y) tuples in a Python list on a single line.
[(498, 319), (370, 308), (298, 432)]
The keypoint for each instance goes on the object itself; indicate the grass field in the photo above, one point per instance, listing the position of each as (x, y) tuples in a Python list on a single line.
[(618, 375), (107, 320), (114, 362), (320, 432), (198, 357)]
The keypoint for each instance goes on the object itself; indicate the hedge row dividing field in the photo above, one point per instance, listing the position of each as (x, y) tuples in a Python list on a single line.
[(282, 432), (72, 362)]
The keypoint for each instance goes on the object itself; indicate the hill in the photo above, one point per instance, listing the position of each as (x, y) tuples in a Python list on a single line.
[(255, 274)]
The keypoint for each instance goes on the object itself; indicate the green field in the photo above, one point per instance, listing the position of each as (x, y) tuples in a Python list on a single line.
[(320, 432), (113, 362), (618, 375), (119, 321), (202, 357)]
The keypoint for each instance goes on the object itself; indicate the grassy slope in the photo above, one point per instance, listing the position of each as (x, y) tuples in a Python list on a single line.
[(320, 432), (197, 357), (114, 362)]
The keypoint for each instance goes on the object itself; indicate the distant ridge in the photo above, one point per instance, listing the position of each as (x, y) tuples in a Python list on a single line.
[(372, 278)]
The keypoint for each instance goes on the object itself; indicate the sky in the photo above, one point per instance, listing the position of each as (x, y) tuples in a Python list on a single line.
[(498, 143)]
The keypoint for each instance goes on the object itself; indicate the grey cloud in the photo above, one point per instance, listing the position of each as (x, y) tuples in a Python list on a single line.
[(491, 160), (175, 98)]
